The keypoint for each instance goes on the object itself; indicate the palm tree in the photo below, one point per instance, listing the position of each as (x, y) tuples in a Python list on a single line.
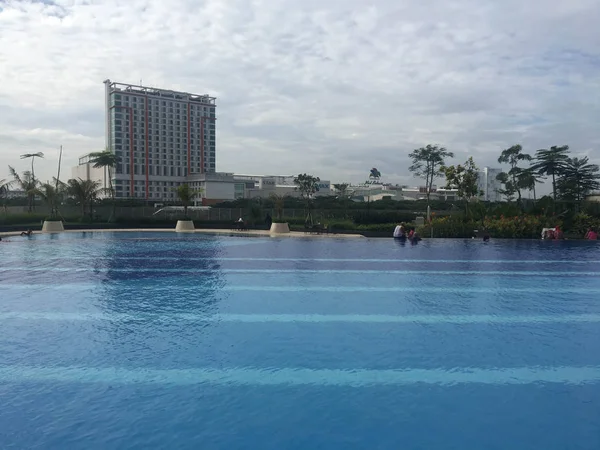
[(106, 160), (551, 162), (32, 156), (84, 192), (4, 186), (51, 194), (27, 184), (579, 179), (528, 180), (186, 194), (278, 204)]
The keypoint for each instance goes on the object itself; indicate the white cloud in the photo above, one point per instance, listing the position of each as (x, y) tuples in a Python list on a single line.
[(332, 88)]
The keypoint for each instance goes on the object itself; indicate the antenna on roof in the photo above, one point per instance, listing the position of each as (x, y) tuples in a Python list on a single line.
[(140, 82)]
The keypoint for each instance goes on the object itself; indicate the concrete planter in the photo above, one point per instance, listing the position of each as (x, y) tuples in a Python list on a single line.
[(279, 228), (184, 226), (52, 226)]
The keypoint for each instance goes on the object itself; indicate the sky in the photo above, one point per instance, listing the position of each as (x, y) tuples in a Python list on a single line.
[(329, 87)]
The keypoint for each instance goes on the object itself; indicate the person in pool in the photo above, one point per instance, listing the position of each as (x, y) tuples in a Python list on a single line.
[(591, 234), (399, 232)]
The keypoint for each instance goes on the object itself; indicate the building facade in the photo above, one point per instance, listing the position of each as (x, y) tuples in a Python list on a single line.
[(489, 185), (161, 138)]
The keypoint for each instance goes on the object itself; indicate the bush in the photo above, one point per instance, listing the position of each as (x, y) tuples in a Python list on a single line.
[(376, 217)]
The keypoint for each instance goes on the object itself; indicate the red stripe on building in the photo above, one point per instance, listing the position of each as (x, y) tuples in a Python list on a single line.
[(131, 149), (202, 144), (147, 152), (189, 148)]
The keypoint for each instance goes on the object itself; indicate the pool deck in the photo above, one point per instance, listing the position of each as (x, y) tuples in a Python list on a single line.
[(293, 234)]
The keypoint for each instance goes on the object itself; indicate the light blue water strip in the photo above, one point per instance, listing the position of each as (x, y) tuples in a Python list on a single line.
[(299, 376), (371, 260), (293, 271), (139, 286), (310, 318)]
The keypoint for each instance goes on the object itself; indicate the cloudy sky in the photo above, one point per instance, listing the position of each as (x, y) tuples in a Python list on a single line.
[(329, 87)]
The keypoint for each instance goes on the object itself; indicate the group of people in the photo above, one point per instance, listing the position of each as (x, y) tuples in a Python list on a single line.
[(400, 232), (557, 234)]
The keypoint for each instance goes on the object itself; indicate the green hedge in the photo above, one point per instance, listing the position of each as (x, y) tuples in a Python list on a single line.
[(383, 217)]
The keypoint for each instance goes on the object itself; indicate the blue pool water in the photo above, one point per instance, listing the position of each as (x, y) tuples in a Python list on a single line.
[(131, 341)]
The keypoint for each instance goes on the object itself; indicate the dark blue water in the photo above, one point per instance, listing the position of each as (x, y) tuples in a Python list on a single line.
[(126, 340)]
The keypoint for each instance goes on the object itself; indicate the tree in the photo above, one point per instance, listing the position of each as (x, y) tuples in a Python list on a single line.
[(512, 156), (108, 161), (51, 194), (427, 163), (278, 204), (463, 178), (186, 194), (308, 186), (342, 189), (4, 187), (84, 192), (343, 194), (374, 174), (551, 162), (32, 156), (528, 179), (509, 189), (27, 184), (579, 178)]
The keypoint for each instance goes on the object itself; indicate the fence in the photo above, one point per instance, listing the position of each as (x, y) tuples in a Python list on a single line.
[(102, 213)]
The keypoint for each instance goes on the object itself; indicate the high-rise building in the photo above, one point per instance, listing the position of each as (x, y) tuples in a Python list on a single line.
[(161, 137), (489, 185)]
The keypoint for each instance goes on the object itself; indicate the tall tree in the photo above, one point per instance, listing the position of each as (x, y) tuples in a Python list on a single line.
[(308, 186), (551, 163), (513, 156), (51, 193), (342, 189), (463, 178), (84, 192), (509, 190), (27, 184), (32, 156), (579, 178), (4, 187), (427, 163), (106, 160), (187, 195), (528, 179), (278, 204)]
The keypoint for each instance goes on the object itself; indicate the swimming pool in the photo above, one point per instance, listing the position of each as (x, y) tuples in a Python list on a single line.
[(131, 340)]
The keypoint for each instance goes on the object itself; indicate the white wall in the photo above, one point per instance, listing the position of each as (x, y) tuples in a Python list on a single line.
[(218, 190)]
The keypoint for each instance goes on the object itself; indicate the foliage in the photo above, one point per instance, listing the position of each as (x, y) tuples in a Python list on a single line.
[(186, 194), (85, 192), (51, 194), (32, 156), (308, 186), (106, 159), (582, 222), (528, 180), (342, 189), (427, 163), (511, 179), (578, 179), (27, 184), (551, 162), (278, 204), (4, 187), (463, 178), (384, 217)]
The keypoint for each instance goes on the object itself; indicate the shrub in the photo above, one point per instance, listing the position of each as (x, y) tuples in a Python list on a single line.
[(376, 217)]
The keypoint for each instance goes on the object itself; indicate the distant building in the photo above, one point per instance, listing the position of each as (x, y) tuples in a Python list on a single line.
[(489, 185)]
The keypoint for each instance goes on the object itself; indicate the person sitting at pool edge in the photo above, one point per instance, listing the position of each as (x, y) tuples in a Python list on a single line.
[(558, 233), (399, 232), (26, 233), (591, 234)]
